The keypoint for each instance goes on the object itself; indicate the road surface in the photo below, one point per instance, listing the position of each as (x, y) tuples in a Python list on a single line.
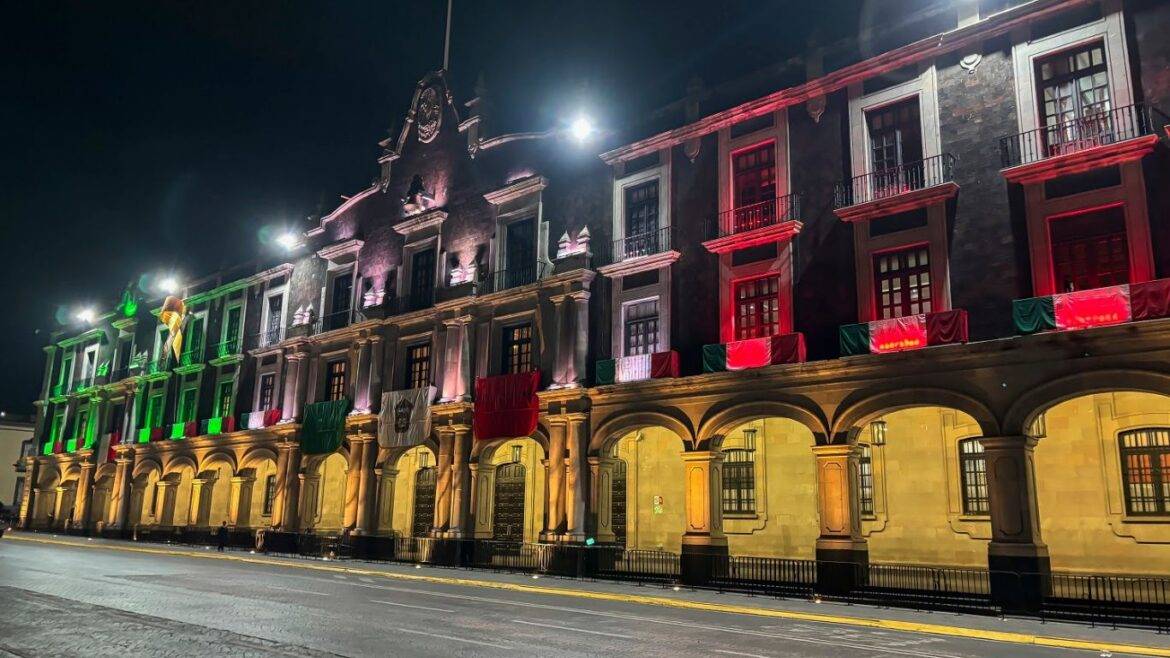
[(102, 600)]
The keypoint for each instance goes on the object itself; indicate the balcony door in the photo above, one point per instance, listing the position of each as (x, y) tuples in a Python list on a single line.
[(1074, 99), (340, 301), (754, 179), (520, 252), (1090, 250), (895, 146), (641, 220), (422, 278)]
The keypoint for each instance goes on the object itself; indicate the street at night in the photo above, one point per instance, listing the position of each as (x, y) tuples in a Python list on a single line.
[(100, 599)]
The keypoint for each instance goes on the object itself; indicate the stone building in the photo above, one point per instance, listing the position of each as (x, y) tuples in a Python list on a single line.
[(908, 308)]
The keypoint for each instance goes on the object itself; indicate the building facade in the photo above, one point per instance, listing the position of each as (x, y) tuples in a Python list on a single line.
[(909, 309)]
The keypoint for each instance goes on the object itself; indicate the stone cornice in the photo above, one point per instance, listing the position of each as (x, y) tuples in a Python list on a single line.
[(1082, 161), (898, 203), (420, 222), (525, 186), (336, 251), (640, 264)]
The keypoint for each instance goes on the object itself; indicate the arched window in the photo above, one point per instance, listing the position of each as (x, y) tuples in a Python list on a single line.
[(1145, 469), (865, 479), (739, 481), (973, 470)]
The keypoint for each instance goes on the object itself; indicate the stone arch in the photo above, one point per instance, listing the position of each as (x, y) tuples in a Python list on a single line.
[(143, 492), (398, 498), (216, 457), (723, 418), (50, 476), (145, 466), (257, 455), (1038, 399), (179, 462), (852, 416), (482, 451), (255, 507), (617, 426)]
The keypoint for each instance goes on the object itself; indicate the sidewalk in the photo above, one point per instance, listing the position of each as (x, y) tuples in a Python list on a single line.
[(1010, 629)]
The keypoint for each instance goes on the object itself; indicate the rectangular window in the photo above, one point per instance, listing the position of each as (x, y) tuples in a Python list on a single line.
[(520, 253), (340, 300), (641, 327), (422, 279), (224, 398), (193, 342), (269, 495), (517, 349), (902, 282), (89, 364), (82, 423), (757, 307), (739, 481), (642, 210), (66, 368), (1074, 85), (973, 470), (895, 138), (1090, 250), (1145, 470), (188, 398), (418, 366), (58, 425), (273, 321), (754, 187), (154, 410), (335, 374), (267, 390), (231, 331), (865, 479)]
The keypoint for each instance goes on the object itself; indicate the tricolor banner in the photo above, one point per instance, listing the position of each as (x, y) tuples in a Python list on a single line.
[(1097, 307), (910, 332), (660, 365), (754, 353)]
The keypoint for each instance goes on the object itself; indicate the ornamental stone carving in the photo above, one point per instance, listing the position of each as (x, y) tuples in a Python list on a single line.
[(430, 114)]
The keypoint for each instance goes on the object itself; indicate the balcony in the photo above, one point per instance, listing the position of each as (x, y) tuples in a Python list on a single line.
[(753, 225), (229, 347), (192, 354), (1118, 135), (660, 365), (266, 338), (157, 366), (898, 189), (1095, 307), (83, 384), (637, 253), (337, 320), (909, 332), (219, 425), (513, 277)]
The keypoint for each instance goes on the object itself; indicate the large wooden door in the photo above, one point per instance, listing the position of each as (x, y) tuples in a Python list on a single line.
[(508, 514), (424, 502)]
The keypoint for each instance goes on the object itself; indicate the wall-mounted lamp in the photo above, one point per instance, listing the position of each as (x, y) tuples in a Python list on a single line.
[(877, 431)]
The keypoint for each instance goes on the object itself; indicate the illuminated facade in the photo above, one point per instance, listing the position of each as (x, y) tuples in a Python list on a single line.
[(913, 310)]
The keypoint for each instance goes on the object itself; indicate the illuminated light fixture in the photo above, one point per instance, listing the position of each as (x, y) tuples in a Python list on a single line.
[(1039, 428), (581, 129), (86, 315), (749, 438), (288, 240), (877, 430), (168, 285)]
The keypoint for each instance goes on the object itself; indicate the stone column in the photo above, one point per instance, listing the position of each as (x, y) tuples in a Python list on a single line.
[(240, 501), (353, 476), (84, 491), (580, 316), (600, 499), (555, 516), (384, 516), (375, 387), (842, 553), (32, 473), (575, 478), (292, 378), (460, 482), (1016, 556), (443, 484), (367, 489), (361, 389), (562, 345), (288, 487), (123, 480), (703, 541)]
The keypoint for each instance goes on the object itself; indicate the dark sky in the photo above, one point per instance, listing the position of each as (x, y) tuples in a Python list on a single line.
[(139, 137)]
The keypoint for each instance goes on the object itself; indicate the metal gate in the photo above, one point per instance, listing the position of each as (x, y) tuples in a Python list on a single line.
[(508, 515), (424, 502), (617, 512)]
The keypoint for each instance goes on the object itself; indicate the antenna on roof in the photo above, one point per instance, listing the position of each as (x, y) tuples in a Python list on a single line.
[(447, 40)]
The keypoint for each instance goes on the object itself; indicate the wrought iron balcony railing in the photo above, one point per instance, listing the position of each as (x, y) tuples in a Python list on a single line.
[(891, 182), (1100, 129), (636, 246), (512, 277), (755, 216), (192, 354), (228, 347), (337, 320)]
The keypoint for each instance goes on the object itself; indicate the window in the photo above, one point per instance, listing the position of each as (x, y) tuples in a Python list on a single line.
[(895, 137), (89, 364), (418, 366), (224, 398), (641, 327), (58, 425), (269, 495), (1145, 469), (231, 331), (902, 282), (422, 279), (739, 481), (154, 410), (642, 210), (973, 471), (519, 253), (340, 299), (757, 308), (1072, 85), (865, 479), (754, 186), (272, 323), (267, 390), (1090, 250), (335, 373), (517, 352), (187, 400), (66, 370), (82, 423)]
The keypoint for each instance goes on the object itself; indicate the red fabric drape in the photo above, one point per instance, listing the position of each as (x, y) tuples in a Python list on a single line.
[(115, 439), (664, 364), (506, 406), (788, 348), (1150, 300), (1098, 307), (946, 327), (897, 334), (271, 417), (750, 353), (229, 424)]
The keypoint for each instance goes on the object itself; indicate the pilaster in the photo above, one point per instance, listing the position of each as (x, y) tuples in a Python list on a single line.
[(460, 480), (1016, 556), (555, 514)]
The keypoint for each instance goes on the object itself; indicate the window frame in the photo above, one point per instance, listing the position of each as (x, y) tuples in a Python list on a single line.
[(1159, 472), (739, 475), (259, 405), (973, 505), (626, 322), (331, 378), (876, 291), (408, 365), (506, 341), (781, 327), (865, 481), (225, 329)]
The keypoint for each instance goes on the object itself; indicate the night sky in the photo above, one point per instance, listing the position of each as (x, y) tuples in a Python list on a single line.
[(144, 137)]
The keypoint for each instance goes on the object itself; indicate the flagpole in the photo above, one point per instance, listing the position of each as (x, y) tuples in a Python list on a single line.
[(447, 40)]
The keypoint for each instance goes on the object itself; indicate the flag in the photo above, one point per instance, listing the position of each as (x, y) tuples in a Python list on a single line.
[(174, 311), (754, 353), (405, 418)]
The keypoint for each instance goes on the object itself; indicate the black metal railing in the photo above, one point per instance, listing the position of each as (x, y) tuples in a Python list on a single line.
[(617, 563), (1142, 601), (891, 182), (767, 575), (512, 277), (1100, 129), (635, 246), (228, 347), (120, 374), (192, 354), (336, 320), (755, 216), (416, 300), (83, 383)]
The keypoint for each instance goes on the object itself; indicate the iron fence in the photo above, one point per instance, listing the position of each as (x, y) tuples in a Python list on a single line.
[(766, 575), (755, 216), (894, 181), (635, 246), (1100, 129), (513, 277)]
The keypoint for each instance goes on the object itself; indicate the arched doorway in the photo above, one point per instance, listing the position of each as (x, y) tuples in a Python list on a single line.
[(423, 515), (410, 499), (45, 503), (323, 496), (66, 500), (508, 512), (213, 491), (642, 479), (510, 498)]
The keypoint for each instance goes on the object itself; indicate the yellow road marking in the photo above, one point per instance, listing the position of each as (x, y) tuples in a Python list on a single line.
[(643, 599)]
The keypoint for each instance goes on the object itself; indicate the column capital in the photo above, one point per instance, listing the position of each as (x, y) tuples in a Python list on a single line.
[(580, 295), (458, 320), (702, 456), (836, 450)]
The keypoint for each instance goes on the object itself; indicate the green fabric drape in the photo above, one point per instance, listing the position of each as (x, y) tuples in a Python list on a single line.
[(324, 426), (854, 339), (1033, 314), (606, 372), (714, 358)]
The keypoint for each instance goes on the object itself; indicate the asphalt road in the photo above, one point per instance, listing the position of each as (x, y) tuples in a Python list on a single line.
[(58, 600)]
